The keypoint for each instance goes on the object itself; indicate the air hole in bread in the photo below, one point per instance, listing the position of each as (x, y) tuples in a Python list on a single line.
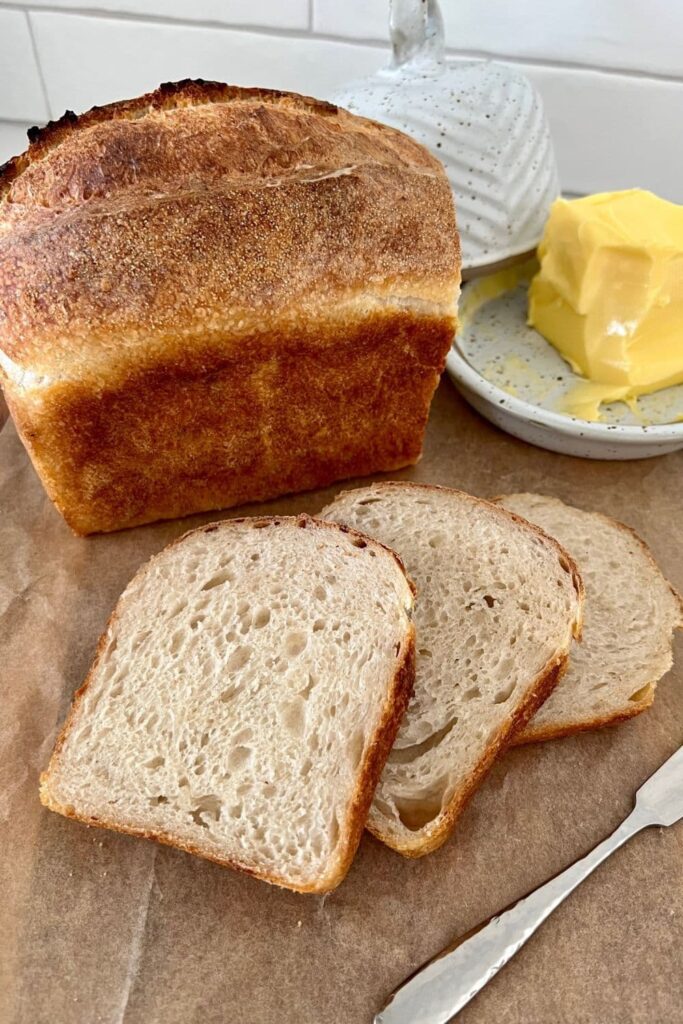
[(369, 501), (334, 832), (238, 757), (490, 601), (404, 755), (358, 542), (504, 694), (229, 693), (319, 593), (564, 563), (245, 735), (155, 801), (295, 643), (156, 762), (293, 716), (436, 540), (424, 652), (238, 659), (218, 580), (176, 642), (472, 694), (318, 625), (356, 747), (416, 813), (310, 683), (262, 525), (261, 618), (642, 693), (208, 806)]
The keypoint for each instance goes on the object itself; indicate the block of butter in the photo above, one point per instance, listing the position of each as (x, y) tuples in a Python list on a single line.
[(609, 294)]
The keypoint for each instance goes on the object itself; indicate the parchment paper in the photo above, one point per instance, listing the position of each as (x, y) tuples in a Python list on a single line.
[(98, 927)]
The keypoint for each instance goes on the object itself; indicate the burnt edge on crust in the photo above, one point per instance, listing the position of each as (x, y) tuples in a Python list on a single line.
[(168, 96), (396, 702)]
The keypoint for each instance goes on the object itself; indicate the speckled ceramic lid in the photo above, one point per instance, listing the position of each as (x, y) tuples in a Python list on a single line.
[(483, 120)]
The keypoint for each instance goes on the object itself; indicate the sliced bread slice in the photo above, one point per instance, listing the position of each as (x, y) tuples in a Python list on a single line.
[(498, 603), (631, 612), (244, 698)]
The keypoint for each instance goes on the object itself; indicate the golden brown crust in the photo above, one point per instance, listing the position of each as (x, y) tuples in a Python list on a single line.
[(157, 254), (190, 210), (395, 704), (290, 412)]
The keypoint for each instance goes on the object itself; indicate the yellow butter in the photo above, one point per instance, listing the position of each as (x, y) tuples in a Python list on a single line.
[(609, 294)]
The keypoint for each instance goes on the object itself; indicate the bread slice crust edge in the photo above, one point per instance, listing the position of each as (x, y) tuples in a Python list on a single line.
[(395, 704)]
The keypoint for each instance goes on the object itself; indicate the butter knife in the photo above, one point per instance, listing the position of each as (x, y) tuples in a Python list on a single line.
[(439, 990)]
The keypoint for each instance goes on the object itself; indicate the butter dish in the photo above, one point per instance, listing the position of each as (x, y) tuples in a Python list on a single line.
[(511, 375)]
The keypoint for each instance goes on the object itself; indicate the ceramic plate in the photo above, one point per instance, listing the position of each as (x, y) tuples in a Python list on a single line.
[(513, 377)]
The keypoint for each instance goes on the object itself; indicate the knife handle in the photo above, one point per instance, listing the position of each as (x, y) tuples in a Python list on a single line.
[(440, 989)]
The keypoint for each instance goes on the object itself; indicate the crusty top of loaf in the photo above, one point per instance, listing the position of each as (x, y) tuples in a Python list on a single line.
[(198, 208)]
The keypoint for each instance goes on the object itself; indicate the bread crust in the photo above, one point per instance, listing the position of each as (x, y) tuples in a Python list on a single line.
[(541, 733), (395, 704), (158, 254), (537, 693)]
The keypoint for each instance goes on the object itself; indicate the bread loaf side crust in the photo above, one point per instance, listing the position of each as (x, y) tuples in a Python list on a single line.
[(288, 413), (397, 699)]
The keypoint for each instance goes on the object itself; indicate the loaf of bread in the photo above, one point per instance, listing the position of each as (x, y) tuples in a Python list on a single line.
[(240, 710), (213, 295)]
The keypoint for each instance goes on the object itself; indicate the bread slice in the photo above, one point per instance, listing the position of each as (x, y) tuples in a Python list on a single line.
[(244, 698), (630, 615), (498, 604)]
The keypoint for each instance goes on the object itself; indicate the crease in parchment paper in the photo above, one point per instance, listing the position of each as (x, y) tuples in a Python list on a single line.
[(137, 942)]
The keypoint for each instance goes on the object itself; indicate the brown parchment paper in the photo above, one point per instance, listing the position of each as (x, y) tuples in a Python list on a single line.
[(98, 927)]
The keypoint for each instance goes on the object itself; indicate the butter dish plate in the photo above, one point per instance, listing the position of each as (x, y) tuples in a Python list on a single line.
[(514, 378)]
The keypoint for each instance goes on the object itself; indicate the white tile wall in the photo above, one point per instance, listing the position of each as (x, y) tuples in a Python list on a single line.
[(273, 13), (21, 94), (610, 71), (12, 141), (620, 34), (93, 60)]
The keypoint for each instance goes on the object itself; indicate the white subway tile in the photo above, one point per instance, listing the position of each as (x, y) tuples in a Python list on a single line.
[(613, 131), (21, 95), (266, 13), (96, 60), (12, 139), (619, 34)]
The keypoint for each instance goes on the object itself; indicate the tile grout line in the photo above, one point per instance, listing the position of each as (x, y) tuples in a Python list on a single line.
[(305, 34), (39, 66)]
